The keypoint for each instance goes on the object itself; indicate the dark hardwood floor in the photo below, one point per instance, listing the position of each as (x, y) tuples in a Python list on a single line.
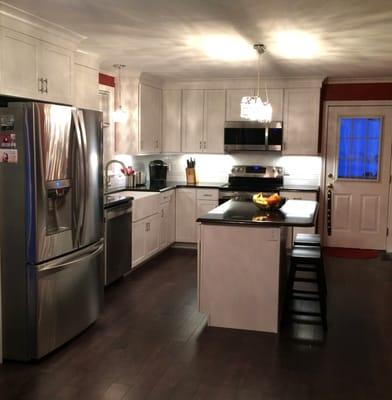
[(151, 343)]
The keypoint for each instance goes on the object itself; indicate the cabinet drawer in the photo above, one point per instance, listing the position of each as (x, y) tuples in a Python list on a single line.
[(207, 194), (165, 197), (299, 195)]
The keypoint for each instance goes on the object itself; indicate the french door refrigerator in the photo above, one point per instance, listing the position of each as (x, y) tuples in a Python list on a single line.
[(51, 225)]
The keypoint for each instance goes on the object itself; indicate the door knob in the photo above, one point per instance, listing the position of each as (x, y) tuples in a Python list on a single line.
[(330, 186), (330, 175)]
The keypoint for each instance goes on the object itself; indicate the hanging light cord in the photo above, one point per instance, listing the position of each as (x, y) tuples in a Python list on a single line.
[(119, 87)]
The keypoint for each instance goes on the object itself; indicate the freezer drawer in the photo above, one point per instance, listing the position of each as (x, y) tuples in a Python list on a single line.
[(65, 297)]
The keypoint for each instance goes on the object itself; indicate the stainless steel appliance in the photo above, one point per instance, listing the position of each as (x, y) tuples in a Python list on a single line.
[(246, 180), (118, 236), (158, 172), (253, 136), (51, 227)]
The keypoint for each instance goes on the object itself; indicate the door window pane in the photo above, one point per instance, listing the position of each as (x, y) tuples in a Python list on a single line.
[(359, 148)]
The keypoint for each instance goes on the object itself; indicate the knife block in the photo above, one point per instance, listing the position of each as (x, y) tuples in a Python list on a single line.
[(190, 176)]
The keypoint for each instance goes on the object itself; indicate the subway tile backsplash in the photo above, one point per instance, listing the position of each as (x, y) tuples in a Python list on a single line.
[(299, 170)]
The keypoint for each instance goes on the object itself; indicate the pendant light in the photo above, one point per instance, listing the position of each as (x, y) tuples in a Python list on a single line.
[(254, 108), (119, 115)]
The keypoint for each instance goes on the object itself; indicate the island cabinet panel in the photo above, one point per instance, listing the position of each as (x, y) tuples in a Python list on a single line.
[(301, 121), (239, 276)]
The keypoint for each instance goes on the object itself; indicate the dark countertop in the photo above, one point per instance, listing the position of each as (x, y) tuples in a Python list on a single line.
[(299, 188), (292, 213), (113, 200), (169, 186)]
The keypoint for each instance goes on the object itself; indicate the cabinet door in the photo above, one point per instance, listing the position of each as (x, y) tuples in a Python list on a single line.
[(152, 235), (171, 121), (192, 121), (56, 65), (172, 218), (138, 242), (186, 215), (204, 206), (233, 103), (292, 232), (164, 226), (301, 121), (275, 97), (19, 60), (86, 88), (214, 121), (150, 118)]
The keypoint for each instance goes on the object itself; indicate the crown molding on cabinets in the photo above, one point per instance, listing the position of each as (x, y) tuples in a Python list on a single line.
[(238, 83), (89, 60), (39, 28)]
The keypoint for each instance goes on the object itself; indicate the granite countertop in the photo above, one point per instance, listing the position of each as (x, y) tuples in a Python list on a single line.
[(292, 213), (168, 186)]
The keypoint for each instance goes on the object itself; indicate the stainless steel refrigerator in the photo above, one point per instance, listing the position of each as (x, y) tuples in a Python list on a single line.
[(51, 225)]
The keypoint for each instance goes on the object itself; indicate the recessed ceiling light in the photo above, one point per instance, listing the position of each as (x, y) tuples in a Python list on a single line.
[(224, 47), (295, 44)]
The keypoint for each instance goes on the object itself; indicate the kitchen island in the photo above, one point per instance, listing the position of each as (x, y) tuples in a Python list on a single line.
[(242, 262)]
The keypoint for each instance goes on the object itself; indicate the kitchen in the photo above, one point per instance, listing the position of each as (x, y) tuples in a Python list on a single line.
[(178, 112)]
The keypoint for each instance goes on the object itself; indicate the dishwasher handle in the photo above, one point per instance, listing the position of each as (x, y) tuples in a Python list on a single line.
[(117, 212)]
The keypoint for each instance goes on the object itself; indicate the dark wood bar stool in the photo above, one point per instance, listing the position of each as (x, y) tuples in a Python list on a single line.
[(307, 239), (307, 259)]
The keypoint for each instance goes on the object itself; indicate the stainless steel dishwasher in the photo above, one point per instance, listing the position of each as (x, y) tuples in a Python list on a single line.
[(118, 236)]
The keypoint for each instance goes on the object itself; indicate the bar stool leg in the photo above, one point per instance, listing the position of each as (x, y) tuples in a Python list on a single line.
[(322, 297)]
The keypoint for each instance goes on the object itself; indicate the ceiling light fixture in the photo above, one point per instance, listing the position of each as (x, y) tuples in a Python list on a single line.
[(119, 115), (254, 108)]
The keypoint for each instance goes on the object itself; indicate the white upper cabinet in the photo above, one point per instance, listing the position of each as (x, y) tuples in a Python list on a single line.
[(214, 121), (35, 69), (86, 85), (234, 97), (192, 121), (233, 103), (203, 118), (301, 121), (19, 65), (56, 69), (150, 119), (171, 121)]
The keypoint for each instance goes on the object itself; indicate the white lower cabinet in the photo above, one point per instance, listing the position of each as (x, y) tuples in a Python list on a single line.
[(186, 215), (152, 235), (191, 204), (294, 195), (167, 227)]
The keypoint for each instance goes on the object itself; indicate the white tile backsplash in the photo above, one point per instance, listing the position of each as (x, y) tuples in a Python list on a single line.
[(299, 170)]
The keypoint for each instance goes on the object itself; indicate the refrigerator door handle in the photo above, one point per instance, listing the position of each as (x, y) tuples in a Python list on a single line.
[(82, 206), (66, 261), (83, 136)]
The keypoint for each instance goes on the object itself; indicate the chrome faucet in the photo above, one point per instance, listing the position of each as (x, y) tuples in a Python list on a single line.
[(107, 177)]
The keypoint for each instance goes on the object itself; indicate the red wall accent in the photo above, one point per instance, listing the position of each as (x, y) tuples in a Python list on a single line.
[(357, 91), (107, 80)]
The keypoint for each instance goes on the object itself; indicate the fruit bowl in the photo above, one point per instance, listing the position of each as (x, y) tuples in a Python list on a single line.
[(273, 202)]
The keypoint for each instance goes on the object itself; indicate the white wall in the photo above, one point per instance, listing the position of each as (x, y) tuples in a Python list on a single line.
[(299, 170)]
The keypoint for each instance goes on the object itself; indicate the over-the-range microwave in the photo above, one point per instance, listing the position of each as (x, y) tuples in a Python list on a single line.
[(253, 136)]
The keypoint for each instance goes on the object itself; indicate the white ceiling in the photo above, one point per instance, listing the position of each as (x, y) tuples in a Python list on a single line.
[(352, 38)]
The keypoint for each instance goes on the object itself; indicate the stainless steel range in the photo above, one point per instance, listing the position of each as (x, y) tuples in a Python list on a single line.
[(246, 180)]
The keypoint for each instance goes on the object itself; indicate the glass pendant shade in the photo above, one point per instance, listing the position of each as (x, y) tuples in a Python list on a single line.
[(255, 109)]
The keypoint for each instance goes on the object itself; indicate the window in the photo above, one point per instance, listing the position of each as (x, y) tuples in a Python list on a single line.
[(359, 148)]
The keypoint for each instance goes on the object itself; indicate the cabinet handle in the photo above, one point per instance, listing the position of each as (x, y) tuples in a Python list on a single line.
[(207, 195), (141, 144), (46, 85), (147, 226), (284, 146), (162, 213), (201, 146), (205, 144), (40, 85)]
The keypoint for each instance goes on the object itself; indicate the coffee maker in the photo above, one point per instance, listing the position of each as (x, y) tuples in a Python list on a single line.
[(158, 172)]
